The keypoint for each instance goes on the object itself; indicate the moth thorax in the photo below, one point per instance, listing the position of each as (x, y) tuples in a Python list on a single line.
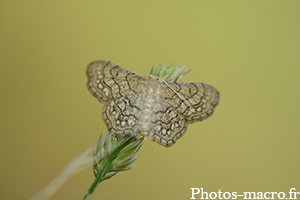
[(151, 97)]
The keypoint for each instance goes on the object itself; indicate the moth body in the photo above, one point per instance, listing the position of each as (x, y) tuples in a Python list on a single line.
[(150, 96)]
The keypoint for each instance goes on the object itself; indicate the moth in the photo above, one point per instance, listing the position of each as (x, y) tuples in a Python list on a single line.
[(136, 105)]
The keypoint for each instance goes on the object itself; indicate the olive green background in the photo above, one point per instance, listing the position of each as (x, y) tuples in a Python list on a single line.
[(248, 50)]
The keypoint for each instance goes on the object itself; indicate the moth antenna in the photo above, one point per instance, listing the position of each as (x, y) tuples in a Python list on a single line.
[(178, 94)]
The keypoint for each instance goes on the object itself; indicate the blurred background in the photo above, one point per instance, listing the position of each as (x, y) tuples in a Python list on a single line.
[(248, 50)]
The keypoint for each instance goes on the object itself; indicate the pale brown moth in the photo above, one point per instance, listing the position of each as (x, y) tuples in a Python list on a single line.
[(135, 105)]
